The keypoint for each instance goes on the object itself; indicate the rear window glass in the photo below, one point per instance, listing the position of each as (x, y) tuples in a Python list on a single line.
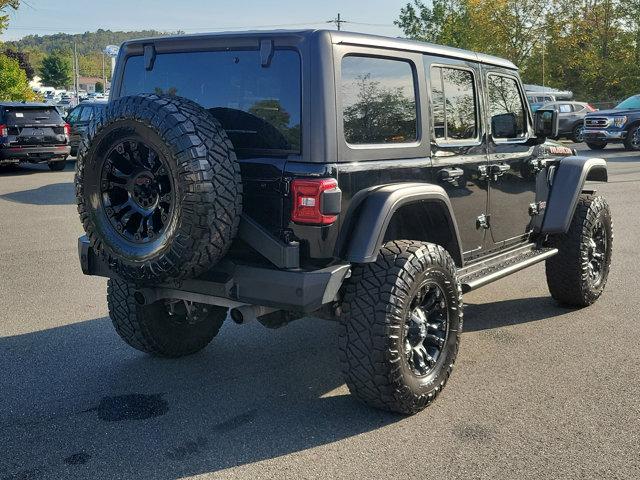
[(258, 107), (20, 116)]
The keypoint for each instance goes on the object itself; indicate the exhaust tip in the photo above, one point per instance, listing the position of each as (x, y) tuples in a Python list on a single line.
[(236, 316)]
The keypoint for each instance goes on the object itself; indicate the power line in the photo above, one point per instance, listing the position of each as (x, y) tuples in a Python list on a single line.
[(338, 22), (235, 27)]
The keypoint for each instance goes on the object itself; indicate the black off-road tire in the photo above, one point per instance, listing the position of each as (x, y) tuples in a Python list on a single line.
[(375, 308), (58, 165), (632, 142), (206, 187), (567, 272), (597, 145), (151, 329)]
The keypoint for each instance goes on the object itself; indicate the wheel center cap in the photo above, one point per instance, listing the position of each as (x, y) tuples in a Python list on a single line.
[(145, 190)]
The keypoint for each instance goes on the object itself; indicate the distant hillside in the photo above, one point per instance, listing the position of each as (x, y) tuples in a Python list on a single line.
[(86, 43), (89, 45)]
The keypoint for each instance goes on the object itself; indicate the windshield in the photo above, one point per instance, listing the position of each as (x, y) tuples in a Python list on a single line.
[(32, 116), (258, 107), (629, 103)]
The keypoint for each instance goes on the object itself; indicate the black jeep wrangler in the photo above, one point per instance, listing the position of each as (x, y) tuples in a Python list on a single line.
[(273, 175)]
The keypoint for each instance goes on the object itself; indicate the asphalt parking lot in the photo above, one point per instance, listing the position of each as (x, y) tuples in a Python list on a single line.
[(538, 391)]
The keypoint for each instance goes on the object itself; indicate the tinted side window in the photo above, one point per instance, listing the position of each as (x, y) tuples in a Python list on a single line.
[(74, 114), (87, 114), (454, 104), (379, 101), (260, 108), (505, 106)]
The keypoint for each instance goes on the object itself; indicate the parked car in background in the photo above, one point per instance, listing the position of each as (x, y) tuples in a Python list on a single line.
[(34, 133), (537, 101), (618, 125), (79, 118), (64, 105), (571, 118), (532, 98)]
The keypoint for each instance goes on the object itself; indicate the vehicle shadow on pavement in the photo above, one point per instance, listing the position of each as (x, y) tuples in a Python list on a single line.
[(52, 194), (31, 169), (76, 402), (490, 315)]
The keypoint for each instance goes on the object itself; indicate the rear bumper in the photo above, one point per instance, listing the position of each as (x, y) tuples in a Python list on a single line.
[(602, 135), (34, 154), (232, 284)]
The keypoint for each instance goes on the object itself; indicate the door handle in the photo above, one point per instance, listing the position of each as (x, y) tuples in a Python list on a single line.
[(483, 172), (450, 174), (499, 169), (492, 171)]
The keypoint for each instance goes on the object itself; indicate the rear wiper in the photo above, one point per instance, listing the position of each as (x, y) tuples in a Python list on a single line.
[(42, 118)]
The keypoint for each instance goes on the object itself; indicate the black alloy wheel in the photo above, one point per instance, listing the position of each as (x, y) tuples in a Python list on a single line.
[(137, 190), (426, 329), (578, 134), (632, 142), (596, 253)]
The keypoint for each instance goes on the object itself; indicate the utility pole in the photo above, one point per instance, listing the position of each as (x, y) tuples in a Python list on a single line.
[(338, 22), (76, 79), (104, 74), (543, 84)]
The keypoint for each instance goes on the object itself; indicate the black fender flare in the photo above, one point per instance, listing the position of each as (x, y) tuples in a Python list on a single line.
[(567, 182), (371, 210)]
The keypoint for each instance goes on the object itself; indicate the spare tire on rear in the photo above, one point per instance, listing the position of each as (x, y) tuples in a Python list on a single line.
[(158, 188)]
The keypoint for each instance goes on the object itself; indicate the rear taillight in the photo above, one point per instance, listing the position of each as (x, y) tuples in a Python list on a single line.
[(67, 130), (591, 107), (315, 201), (4, 131)]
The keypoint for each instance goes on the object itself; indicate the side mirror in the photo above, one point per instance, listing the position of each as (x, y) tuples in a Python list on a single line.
[(546, 123), (504, 125)]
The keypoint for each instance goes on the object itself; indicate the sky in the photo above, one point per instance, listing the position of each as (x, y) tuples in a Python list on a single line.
[(44, 17)]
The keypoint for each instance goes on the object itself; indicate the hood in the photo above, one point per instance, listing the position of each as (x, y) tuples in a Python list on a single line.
[(612, 112)]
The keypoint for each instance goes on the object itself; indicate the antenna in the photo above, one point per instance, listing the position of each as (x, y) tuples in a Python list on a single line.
[(338, 22)]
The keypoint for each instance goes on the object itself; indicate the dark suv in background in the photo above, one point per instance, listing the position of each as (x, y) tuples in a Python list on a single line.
[(618, 125), (34, 133), (79, 119)]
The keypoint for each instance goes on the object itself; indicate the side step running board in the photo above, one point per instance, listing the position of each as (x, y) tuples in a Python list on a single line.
[(485, 272)]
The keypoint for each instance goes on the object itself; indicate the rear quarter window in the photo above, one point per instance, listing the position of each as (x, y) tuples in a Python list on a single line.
[(379, 101), (260, 108)]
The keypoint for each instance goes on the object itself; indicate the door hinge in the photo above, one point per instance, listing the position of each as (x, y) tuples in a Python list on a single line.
[(483, 221)]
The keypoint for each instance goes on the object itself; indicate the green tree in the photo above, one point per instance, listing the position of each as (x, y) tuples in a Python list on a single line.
[(445, 22), (591, 47), (13, 81), (99, 87), (4, 18), (56, 70)]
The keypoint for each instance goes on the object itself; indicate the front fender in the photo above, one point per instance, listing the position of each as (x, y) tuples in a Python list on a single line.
[(372, 210), (567, 183)]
